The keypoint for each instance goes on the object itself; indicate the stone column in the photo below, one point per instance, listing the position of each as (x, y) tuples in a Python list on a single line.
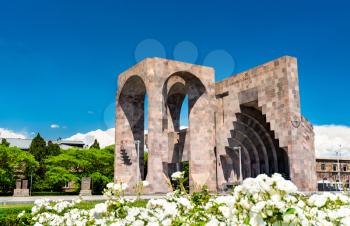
[(157, 136)]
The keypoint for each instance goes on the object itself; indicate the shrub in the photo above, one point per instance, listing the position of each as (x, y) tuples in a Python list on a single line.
[(260, 201)]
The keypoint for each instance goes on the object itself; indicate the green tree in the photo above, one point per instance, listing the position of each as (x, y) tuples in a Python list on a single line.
[(4, 142), (95, 145), (73, 164), (38, 148), (14, 162), (53, 149)]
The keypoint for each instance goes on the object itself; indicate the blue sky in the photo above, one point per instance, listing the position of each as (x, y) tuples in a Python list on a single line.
[(59, 60)]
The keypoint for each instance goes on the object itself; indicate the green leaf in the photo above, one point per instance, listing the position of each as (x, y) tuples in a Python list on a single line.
[(246, 221), (290, 211)]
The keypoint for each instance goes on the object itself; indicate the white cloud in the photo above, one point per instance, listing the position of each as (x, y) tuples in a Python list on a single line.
[(105, 138), (329, 137), (54, 126), (6, 133)]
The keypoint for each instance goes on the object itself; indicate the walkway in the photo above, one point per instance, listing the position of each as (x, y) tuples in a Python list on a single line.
[(30, 199)]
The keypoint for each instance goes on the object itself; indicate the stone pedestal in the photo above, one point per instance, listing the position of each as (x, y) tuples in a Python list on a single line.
[(85, 186), (21, 192), (21, 188)]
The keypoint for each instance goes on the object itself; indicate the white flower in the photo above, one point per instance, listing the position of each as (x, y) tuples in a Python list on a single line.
[(257, 199), (110, 185), (21, 214), (145, 183), (185, 202), (124, 186), (138, 223), (258, 207), (256, 219), (213, 222), (226, 212), (100, 208), (177, 175), (117, 186)]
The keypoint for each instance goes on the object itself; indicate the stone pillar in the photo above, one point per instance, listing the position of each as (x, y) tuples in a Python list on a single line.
[(157, 138), (21, 188)]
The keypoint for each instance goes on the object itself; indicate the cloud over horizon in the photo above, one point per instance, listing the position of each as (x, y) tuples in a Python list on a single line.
[(6, 133), (328, 139), (104, 137)]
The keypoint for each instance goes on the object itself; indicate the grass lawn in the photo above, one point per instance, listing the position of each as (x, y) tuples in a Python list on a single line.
[(8, 213)]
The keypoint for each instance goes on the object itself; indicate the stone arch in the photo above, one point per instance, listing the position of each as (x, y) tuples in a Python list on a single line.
[(175, 89), (265, 137), (277, 156), (130, 124), (247, 145), (258, 143), (166, 81)]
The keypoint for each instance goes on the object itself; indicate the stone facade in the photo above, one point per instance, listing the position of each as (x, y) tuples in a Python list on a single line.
[(257, 110), (329, 170)]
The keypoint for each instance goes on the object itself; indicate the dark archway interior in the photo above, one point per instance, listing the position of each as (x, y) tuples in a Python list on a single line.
[(132, 101), (253, 134)]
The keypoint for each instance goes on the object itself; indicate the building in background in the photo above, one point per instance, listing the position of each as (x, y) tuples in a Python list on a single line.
[(24, 144), (333, 173)]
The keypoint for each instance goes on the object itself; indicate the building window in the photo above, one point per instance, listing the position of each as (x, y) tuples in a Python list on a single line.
[(345, 168), (323, 166), (334, 167)]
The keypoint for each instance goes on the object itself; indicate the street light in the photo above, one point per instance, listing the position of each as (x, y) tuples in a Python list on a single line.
[(239, 149), (137, 142), (31, 180), (338, 153)]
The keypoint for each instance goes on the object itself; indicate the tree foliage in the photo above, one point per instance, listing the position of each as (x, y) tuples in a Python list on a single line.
[(38, 148), (95, 145), (14, 162), (4, 142), (73, 164), (53, 149)]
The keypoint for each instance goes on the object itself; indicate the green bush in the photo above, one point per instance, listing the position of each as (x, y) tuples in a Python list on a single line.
[(6, 193), (49, 193), (9, 215)]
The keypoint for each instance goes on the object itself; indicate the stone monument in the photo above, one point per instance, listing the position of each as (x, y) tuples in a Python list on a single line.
[(85, 186), (21, 188), (256, 112)]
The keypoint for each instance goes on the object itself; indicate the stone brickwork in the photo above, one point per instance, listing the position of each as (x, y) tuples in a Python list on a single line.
[(257, 110)]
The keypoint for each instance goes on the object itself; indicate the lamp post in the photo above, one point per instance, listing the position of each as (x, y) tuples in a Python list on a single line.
[(239, 149), (338, 159), (137, 142), (31, 180)]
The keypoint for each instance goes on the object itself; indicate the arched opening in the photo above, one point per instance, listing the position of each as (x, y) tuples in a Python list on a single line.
[(252, 133), (181, 91), (133, 102)]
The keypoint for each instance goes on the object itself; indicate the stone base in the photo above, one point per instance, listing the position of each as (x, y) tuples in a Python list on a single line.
[(85, 192), (21, 192)]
